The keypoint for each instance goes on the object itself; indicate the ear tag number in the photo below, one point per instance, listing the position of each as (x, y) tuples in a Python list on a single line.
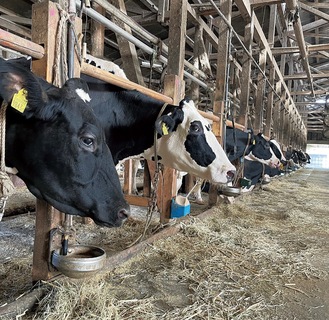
[(19, 101), (164, 129)]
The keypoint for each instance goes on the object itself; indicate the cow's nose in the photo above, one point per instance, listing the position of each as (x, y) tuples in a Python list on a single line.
[(123, 214), (230, 175)]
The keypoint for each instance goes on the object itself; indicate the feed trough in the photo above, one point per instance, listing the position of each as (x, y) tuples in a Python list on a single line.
[(81, 261), (231, 191)]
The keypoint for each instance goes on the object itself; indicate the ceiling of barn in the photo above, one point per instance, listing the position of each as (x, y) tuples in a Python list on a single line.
[(302, 54)]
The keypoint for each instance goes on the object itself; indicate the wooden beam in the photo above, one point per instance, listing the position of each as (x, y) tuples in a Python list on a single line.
[(264, 2), (316, 12), (17, 29), (128, 52), (308, 93), (121, 82), (295, 49), (305, 76), (19, 44)]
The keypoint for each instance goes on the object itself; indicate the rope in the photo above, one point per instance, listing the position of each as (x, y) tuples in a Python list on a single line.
[(60, 65), (155, 181), (6, 185)]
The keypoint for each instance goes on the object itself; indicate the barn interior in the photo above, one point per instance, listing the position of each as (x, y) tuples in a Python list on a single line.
[(287, 36), (254, 64)]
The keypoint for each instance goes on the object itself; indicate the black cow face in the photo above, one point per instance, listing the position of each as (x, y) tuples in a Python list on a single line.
[(58, 147)]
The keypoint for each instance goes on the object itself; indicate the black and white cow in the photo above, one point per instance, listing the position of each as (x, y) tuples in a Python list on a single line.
[(252, 147), (58, 146), (184, 138), (254, 152), (258, 171)]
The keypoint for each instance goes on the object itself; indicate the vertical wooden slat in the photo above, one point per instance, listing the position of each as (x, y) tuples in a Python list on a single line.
[(44, 26), (128, 52), (174, 87), (177, 34), (276, 110), (269, 108), (221, 78), (45, 19), (97, 33), (245, 74), (259, 107)]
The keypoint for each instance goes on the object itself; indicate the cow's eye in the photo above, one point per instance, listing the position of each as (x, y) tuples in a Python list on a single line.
[(87, 142), (194, 128)]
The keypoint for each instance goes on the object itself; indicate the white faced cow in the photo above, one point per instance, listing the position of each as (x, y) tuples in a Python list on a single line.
[(58, 146), (184, 138)]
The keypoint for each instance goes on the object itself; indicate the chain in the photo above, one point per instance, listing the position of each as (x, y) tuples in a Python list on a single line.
[(155, 182), (152, 204), (3, 201)]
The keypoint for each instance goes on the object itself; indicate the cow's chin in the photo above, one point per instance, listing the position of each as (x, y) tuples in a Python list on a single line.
[(68, 209), (116, 224), (62, 207)]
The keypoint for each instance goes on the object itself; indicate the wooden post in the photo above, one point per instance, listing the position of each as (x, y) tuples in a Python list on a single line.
[(221, 78), (175, 88), (259, 108), (246, 71), (45, 19), (276, 110), (128, 52), (269, 108), (97, 33)]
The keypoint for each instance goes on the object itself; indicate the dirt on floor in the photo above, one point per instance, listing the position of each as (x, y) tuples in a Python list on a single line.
[(264, 256)]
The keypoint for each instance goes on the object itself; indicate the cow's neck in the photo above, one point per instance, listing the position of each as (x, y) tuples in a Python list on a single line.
[(128, 118)]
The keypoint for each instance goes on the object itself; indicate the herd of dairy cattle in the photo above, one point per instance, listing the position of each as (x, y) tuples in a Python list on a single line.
[(65, 142)]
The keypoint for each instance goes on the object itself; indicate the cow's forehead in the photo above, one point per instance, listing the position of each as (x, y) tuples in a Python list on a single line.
[(191, 113)]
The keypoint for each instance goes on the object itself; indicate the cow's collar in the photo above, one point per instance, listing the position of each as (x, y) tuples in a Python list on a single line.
[(155, 135)]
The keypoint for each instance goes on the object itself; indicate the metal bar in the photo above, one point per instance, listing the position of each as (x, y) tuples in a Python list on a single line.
[(112, 26)]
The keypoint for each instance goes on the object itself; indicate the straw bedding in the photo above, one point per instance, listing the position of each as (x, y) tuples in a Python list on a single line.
[(241, 262)]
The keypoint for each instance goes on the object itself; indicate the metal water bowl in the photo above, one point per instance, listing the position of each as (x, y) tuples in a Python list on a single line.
[(266, 180), (80, 262), (231, 191)]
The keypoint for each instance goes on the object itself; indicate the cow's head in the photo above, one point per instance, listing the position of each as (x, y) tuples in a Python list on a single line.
[(188, 144), (276, 148), (58, 147), (264, 151)]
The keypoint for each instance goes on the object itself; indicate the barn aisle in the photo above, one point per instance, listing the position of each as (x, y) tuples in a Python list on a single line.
[(266, 256)]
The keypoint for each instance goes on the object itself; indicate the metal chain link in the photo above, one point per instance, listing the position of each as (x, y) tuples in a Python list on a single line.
[(3, 201)]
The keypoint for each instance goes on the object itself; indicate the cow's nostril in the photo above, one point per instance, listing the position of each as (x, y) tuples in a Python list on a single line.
[(123, 214), (230, 175)]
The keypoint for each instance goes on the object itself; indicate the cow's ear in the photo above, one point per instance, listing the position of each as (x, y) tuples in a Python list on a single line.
[(20, 88), (169, 122)]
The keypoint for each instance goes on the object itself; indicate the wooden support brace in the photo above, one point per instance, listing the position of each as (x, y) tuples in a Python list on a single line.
[(45, 19)]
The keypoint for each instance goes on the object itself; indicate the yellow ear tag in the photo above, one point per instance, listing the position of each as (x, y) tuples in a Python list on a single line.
[(19, 101), (254, 141), (164, 129)]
